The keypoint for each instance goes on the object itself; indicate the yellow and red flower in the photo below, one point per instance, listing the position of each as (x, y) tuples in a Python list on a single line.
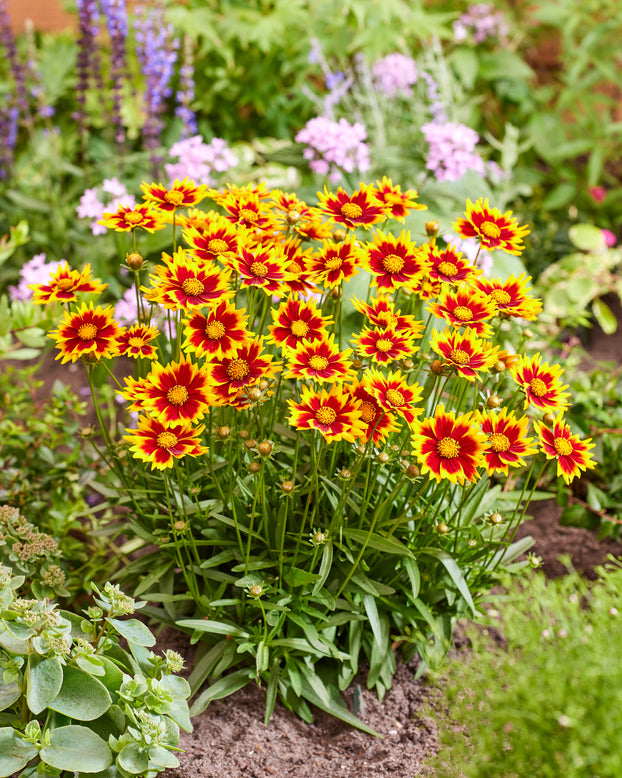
[(177, 393), (262, 267), (246, 209), (384, 345), (87, 333), (65, 284), (360, 209), (541, 383), (245, 367), (393, 393), (572, 453), (336, 262), (493, 229), (464, 352), (134, 393), (181, 283), (144, 217), (218, 240), (511, 297), (180, 195), (378, 422), (507, 440), (217, 335), (449, 447), (295, 321), (395, 262), (465, 308), (297, 264), (137, 341), (319, 360), (160, 444), (197, 219), (334, 413), (381, 313), (449, 266), (396, 203)]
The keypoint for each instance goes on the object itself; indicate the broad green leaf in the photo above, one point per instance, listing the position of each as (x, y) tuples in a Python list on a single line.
[(587, 237), (559, 196), (76, 748), (389, 545), (222, 688), (44, 677), (605, 316), (215, 627), (81, 696), (162, 757), (134, 631), (134, 759), (14, 752), (9, 693), (454, 571)]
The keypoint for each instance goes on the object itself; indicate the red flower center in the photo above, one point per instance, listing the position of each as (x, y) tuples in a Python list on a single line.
[(318, 363), (177, 395), (215, 330), (392, 263), (166, 440), (447, 268), (259, 269), (499, 441), (538, 387), (217, 246), (87, 331), (238, 369), (490, 229), (368, 412), (500, 296), (395, 398), (448, 448), (463, 313), (562, 446), (351, 210), (459, 356), (299, 328), (192, 287), (326, 415), (174, 197)]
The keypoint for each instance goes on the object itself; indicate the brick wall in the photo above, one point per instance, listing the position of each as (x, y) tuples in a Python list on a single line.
[(46, 14)]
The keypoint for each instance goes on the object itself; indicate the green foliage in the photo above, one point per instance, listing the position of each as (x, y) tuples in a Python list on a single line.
[(543, 699), (106, 710)]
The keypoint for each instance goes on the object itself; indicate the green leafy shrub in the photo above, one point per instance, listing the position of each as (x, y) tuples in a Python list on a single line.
[(545, 701), (73, 700)]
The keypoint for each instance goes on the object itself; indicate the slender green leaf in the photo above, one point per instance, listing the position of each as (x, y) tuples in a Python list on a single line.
[(388, 545), (214, 627), (454, 571), (222, 688)]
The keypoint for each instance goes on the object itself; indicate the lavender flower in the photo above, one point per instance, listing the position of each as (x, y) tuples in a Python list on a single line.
[(394, 74), (483, 21), (92, 207), (116, 22), (334, 147), (185, 94), (35, 271), (198, 160), (87, 64), (451, 151)]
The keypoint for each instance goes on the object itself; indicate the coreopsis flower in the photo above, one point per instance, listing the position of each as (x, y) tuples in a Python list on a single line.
[(217, 240), (379, 424), (396, 203), (394, 262), (336, 262), (297, 264), (510, 297), (384, 345), (144, 217), (541, 383), (296, 321), (246, 209), (177, 393), (180, 195), (448, 446), (449, 266), (87, 333), (313, 227), (65, 284), (160, 444), (217, 334), (334, 413), (182, 283), (507, 440), (137, 341), (360, 209), (465, 308), (248, 365), (239, 193), (381, 313), (197, 220), (262, 267), (572, 453), (319, 360), (394, 394), (295, 216), (464, 352), (493, 229), (427, 288), (134, 393)]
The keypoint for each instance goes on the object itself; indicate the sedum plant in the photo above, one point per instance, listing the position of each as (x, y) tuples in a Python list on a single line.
[(333, 441), (73, 701)]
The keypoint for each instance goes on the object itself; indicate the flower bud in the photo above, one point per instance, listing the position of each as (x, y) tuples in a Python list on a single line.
[(471, 542), (253, 393), (436, 367), (340, 235), (408, 364), (256, 590), (254, 467), (442, 528), (412, 471), (357, 364), (179, 526), (345, 474), (223, 432), (382, 457), (548, 419), (318, 538), (263, 384), (251, 443), (527, 333), (493, 401), (293, 217), (265, 448), (287, 486), (134, 261), (496, 518), (499, 366), (432, 228), (335, 293), (243, 434), (86, 432)]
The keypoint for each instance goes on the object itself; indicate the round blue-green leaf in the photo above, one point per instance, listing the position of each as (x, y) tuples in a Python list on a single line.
[(9, 693), (76, 748), (133, 630), (133, 758), (81, 696), (45, 678), (14, 752)]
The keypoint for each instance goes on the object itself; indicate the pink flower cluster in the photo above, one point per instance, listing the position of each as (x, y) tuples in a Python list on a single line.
[(483, 21), (334, 147), (394, 74), (91, 207), (36, 271), (451, 153), (198, 160)]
